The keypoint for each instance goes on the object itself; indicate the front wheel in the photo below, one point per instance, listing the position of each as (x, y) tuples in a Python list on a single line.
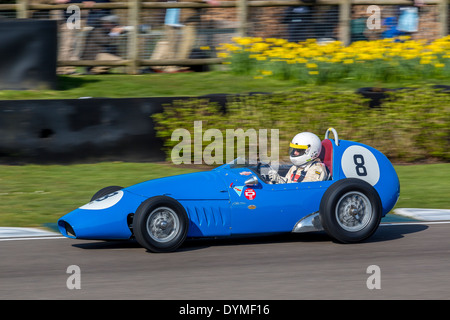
[(105, 191), (160, 224), (350, 210)]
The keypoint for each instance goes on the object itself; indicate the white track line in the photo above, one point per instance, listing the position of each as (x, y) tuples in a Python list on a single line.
[(12, 234), (32, 238), (387, 224), (424, 214)]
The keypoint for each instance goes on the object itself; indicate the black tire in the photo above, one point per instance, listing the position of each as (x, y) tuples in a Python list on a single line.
[(105, 191), (350, 210), (160, 224)]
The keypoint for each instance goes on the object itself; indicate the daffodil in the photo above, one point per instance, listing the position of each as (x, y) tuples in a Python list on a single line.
[(223, 54), (403, 55)]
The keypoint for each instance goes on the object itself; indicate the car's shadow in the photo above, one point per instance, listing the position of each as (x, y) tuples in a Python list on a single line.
[(384, 233), (388, 231)]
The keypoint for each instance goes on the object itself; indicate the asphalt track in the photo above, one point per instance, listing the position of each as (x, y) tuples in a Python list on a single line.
[(413, 261)]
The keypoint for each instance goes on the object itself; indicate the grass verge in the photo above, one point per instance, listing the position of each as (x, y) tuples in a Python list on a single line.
[(424, 186), (150, 85), (191, 84)]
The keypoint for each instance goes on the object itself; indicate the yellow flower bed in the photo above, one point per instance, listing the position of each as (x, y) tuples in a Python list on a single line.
[(386, 59)]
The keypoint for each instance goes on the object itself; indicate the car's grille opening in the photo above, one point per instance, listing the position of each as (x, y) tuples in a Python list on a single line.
[(66, 228), (70, 230)]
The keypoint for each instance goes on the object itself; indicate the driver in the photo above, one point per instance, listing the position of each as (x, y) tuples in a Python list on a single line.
[(304, 151)]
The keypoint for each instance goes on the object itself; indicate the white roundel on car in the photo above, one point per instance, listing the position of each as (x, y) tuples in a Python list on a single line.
[(359, 162), (104, 202)]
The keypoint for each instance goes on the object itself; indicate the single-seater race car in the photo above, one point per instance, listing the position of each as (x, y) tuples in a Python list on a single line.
[(237, 199)]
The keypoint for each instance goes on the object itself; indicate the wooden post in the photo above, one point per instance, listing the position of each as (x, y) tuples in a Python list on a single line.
[(345, 15), (443, 18), (242, 8), (22, 9), (133, 43)]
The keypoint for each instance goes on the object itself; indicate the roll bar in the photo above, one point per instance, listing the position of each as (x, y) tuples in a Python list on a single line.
[(336, 139)]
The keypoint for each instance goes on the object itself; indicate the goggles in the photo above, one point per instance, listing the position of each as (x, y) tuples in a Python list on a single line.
[(297, 150)]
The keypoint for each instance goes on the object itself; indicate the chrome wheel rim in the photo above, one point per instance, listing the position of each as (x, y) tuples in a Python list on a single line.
[(353, 211), (163, 224)]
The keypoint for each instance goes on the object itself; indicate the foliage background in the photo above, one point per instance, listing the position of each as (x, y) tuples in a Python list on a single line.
[(411, 125)]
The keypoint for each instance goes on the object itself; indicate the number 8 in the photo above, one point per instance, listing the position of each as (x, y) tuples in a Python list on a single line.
[(358, 159)]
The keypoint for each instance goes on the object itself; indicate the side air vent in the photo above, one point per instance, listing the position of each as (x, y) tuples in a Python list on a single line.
[(130, 222), (208, 220)]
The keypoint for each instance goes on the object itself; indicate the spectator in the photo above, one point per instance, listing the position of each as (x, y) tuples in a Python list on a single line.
[(95, 15), (68, 39), (171, 27), (101, 44), (184, 21), (408, 20), (190, 18), (72, 40), (391, 31), (358, 25), (300, 23)]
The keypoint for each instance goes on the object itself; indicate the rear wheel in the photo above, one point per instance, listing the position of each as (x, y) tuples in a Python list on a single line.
[(350, 210), (160, 224)]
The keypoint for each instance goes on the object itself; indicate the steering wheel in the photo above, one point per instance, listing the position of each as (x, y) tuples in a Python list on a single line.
[(258, 168), (258, 171)]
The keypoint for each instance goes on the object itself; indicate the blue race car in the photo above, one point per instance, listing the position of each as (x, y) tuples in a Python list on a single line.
[(236, 199)]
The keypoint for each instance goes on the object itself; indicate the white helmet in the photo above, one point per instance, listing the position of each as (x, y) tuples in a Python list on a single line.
[(304, 147)]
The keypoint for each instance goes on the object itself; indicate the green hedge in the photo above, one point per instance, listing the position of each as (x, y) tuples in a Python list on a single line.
[(411, 125)]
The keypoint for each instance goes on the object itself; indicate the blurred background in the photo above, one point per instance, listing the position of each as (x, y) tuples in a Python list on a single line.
[(137, 34), (92, 91)]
